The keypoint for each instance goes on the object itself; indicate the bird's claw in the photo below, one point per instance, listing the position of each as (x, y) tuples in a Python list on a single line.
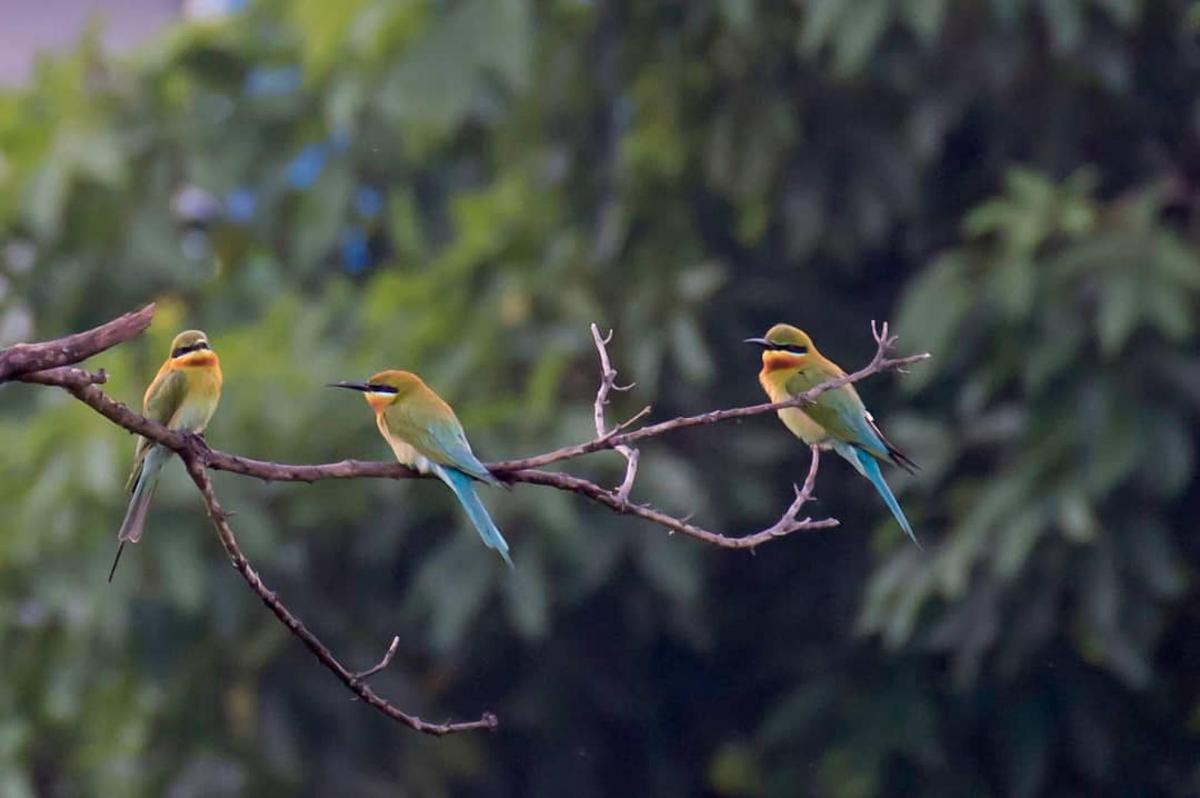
[(197, 441)]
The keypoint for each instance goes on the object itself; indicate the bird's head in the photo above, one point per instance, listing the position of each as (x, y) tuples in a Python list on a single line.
[(187, 342), (784, 346), (383, 388)]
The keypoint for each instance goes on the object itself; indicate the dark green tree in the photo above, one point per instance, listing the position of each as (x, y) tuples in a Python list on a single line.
[(460, 188)]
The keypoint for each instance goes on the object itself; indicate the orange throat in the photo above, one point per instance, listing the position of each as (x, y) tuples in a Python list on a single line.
[(201, 358), (378, 403), (778, 361)]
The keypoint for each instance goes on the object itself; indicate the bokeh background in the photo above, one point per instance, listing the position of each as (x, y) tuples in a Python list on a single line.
[(460, 187)]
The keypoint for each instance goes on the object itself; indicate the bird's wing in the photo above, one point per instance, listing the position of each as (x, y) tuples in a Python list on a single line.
[(435, 432), (165, 395), (163, 399), (898, 457), (840, 411), (844, 416)]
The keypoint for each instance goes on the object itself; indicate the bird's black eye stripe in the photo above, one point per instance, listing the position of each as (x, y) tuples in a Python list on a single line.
[(795, 349), (183, 350), (376, 388)]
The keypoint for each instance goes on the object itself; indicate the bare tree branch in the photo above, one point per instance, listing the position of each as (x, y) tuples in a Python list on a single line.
[(81, 385), (66, 375), (25, 358), (786, 525), (354, 682), (880, 362), (46, 364), (608, 383)]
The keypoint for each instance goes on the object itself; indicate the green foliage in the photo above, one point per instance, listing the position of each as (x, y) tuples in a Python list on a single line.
[(461, 187), (1050, 441)]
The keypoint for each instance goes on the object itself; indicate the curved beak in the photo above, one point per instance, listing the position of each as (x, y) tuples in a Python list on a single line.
[(763, 342), (354, 386)]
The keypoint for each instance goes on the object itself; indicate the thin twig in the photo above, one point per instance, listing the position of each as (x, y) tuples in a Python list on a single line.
[(608, 383), (786, 525), (383, 663), (354, 682)]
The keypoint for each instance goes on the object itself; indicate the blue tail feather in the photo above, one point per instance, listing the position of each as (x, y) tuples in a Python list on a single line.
[(144, 483), (868, 466), (460, 483), (143, 491)]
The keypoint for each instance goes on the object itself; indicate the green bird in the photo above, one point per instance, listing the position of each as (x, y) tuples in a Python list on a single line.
[(837, 419), (424, 434), (182, 396)]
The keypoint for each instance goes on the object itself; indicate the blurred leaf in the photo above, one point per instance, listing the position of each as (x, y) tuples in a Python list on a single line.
[(734, 771), (325, 25), (1118, 312), (933, 307), (528, 597)]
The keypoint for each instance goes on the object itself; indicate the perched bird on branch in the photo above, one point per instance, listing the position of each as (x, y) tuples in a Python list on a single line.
[(183, 396), (425, 434), (837, 418)]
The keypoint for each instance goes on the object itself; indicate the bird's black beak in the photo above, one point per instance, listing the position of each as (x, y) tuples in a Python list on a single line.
[(763, 342), (354, 386)]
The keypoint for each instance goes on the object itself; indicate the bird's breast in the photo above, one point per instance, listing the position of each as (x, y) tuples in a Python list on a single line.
[(802, 426), (204, 378), (405, 453), (774, 380)]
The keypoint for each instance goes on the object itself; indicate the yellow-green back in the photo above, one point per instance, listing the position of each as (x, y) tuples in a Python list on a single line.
[(417, 416)]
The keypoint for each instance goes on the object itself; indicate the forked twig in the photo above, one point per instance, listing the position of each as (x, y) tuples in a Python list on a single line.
[(383, 663), (354, 682), (608, 383)]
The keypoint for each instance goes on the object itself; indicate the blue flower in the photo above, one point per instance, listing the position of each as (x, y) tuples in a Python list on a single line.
[(271, 81), (240, 205), (306, 167), (356, 255), (368, 202)]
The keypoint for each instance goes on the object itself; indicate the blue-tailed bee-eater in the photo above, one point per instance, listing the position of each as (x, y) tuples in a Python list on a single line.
[(182, 396), (425, 435), (837, 419)]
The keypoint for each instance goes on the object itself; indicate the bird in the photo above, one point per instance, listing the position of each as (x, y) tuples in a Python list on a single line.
[(837, 419), (183, 396), (425, 435)]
